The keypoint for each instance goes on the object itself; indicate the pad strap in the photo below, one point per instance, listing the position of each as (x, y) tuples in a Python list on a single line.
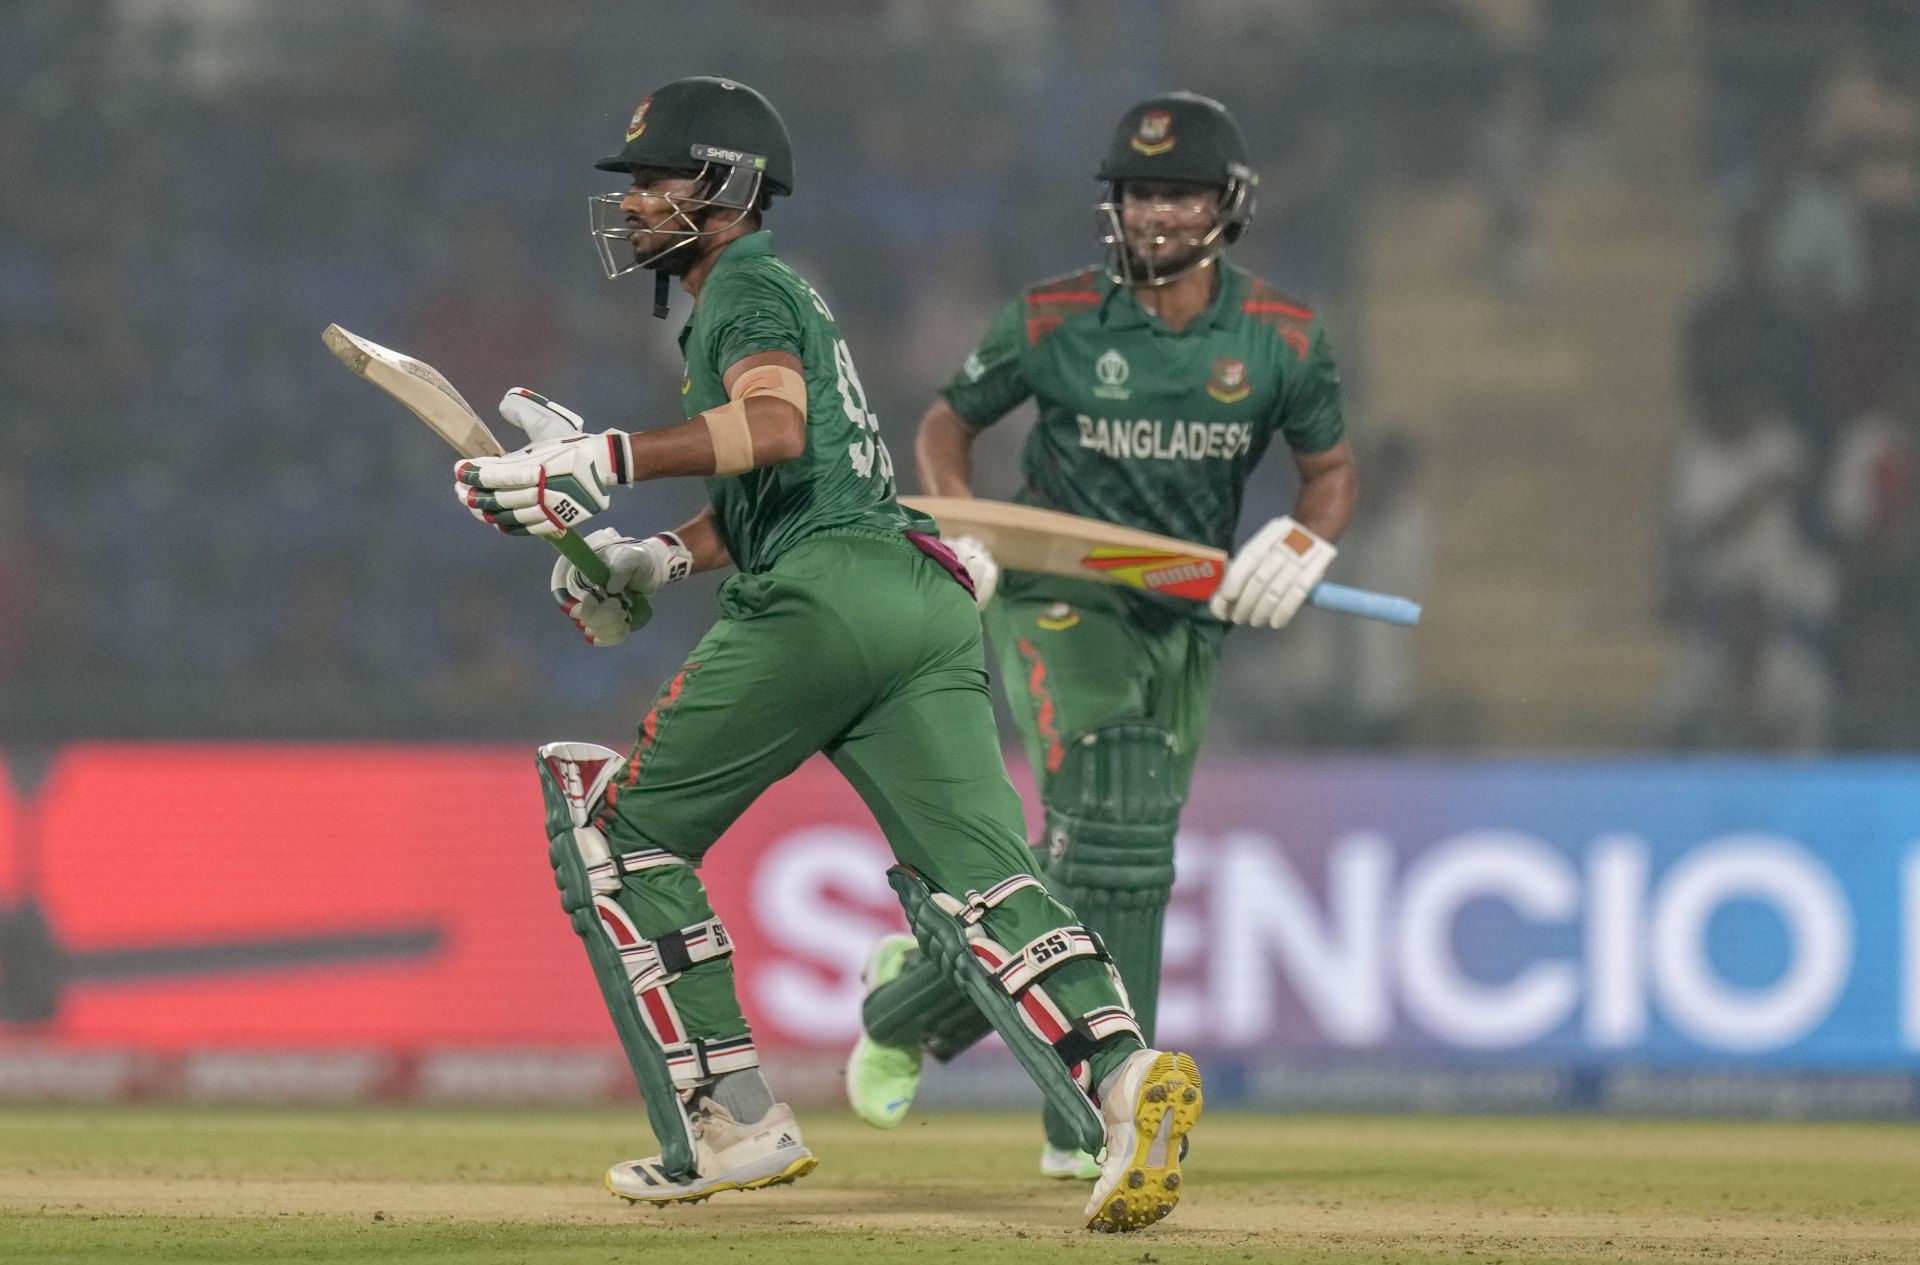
[(694, 1062), (1046, 952), (651, 965), (604, 875), (1019, 972), (1072, 1039), (654, 964), (1090, 1030), (974, 906), (1032, 1025)]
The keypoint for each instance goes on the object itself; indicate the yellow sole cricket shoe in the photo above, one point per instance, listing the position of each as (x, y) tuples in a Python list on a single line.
[(1154, 1100), (727, 1155), (630, 1182)]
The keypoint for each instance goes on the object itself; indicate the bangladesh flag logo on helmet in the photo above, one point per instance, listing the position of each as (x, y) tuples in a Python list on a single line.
[(1155, 133), (638, 123)]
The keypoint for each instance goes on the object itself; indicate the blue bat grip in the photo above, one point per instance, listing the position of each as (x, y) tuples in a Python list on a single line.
[(1364, 603)]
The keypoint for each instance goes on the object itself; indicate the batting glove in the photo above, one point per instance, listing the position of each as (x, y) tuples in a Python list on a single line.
[(978, 560), (540, 418), (1271, 575), (633, 566), (545, 488)]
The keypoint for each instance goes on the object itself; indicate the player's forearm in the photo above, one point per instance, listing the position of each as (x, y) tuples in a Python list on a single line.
[(701, 536), (1329, 488), (774, 431), (943, 452)]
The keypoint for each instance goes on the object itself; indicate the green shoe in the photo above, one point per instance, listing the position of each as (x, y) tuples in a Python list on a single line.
[(882, 1079), (1068, 1166)]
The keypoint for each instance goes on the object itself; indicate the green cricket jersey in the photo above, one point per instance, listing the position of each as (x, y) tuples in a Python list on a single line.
[(1145, 426), (752, 302)]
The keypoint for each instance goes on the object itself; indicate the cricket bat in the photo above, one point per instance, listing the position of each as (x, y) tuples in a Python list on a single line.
[(433, 400), (1024, 538)]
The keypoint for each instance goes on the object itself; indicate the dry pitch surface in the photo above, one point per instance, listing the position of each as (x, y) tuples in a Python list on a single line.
[(442, 1186)]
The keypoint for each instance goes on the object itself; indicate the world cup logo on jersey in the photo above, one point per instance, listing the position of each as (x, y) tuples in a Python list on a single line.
[(1229, 385), (1110, 376), (1155, 133)]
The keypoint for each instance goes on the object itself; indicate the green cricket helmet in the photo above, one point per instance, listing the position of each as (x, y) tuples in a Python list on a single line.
[(717, 129), (1184, 138)]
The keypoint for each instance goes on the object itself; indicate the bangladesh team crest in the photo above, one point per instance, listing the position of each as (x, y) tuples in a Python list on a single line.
[(1229, 385), (638, 123), (1058, 617), (1155, 133)]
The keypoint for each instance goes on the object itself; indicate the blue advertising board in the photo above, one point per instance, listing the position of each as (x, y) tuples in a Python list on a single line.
[(1759, 914)]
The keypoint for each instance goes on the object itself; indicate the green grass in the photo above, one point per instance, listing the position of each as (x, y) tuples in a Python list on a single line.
[(175, 1185)]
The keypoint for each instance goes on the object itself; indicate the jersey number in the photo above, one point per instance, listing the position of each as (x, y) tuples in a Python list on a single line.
[(869, 450)]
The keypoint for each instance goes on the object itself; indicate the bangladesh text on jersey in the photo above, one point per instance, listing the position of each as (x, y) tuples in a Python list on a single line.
[(1147, 426)]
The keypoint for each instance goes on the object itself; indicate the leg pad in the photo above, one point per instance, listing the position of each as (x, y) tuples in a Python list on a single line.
[(923, 1007), (1112, 812), (1005, 986), (632, 971)]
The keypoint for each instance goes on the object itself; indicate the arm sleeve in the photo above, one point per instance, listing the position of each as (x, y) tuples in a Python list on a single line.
[(753, 315), (992, 382), (1310, 419)]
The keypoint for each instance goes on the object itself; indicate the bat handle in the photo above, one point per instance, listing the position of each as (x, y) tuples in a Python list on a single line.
[(593, 569), (1365, 603)]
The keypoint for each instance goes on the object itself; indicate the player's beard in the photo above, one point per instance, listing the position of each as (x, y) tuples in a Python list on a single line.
[(1173, 264), (677, 257), (677, 261), (672, 252)]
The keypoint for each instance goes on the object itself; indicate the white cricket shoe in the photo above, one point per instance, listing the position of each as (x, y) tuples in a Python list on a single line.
[(727, 1155), (1068, 1166), (1148, 1106)]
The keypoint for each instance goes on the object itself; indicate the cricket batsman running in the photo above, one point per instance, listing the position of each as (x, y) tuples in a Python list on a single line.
[(1161, 378), (848, 629)]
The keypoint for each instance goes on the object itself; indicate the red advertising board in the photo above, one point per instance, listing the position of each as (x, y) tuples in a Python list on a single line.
[(391, 898)]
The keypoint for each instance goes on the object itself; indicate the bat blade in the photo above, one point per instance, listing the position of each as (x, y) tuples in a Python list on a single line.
[(1181, 573), (432, 399), (1027, 538), (420, 387)]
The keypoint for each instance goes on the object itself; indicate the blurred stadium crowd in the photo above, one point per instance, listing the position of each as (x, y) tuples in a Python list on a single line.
[(1795, 500), (207, 529)]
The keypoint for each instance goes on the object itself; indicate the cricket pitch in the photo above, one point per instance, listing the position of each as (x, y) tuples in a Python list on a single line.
[(219, 1185)]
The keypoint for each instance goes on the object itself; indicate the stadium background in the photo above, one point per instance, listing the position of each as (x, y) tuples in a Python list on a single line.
[(1627, 296)]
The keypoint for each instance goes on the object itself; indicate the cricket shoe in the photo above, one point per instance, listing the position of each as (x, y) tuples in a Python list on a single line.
[(1078, 1165), (727, 1155), (882, 1079), (1147, 1107), (1068, 1166)]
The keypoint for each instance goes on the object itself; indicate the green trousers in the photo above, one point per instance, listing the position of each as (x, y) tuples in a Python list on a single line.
[(1074, 654), (1075, 657), (857, 645)]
